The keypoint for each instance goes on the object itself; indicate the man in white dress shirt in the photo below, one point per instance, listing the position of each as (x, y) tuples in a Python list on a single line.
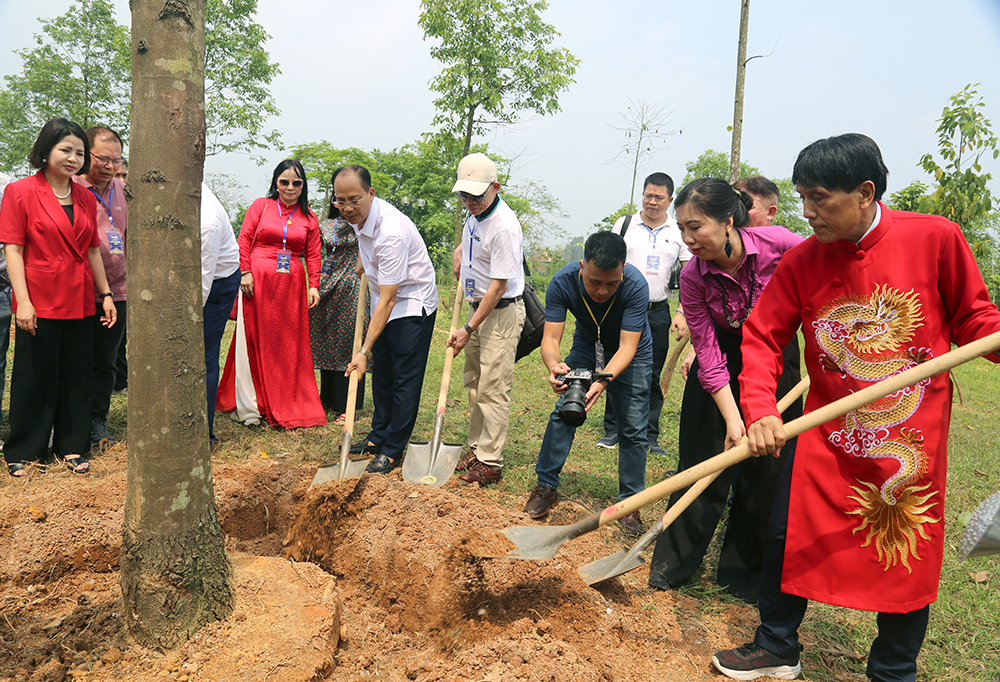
[(489, 267), (404, 303), (220, 282)]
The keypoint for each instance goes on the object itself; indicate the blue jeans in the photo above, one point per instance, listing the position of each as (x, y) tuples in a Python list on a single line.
[(5, 316), (629, 395)]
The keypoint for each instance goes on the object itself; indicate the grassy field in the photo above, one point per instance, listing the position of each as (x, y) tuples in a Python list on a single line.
[(963, 641)]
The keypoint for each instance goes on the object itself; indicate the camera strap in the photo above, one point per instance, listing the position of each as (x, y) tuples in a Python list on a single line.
[(598, 345)]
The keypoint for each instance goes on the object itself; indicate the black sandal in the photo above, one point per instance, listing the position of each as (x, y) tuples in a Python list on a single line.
[(78, 464), (17, 469)]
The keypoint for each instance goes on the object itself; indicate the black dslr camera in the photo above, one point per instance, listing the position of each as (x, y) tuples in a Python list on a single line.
[(578, 381)]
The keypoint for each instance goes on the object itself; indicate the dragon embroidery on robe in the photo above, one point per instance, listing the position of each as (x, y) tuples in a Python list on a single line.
[(865, 337)]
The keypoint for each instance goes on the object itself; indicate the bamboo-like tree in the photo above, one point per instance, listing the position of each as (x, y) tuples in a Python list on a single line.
[(174, 572)]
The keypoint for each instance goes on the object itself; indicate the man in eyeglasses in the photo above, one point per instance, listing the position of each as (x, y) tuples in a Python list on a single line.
[(488, 264), (654, 245), (404, 304), (112, 221)]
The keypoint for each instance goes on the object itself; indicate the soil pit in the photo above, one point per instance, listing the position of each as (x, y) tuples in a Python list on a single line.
[(350, 581)]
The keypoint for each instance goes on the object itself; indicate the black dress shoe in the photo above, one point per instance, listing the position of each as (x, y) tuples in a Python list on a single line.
[(381, 465), (365, 448)]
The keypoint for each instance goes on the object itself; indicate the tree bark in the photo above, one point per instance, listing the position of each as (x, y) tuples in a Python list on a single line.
[(741, 69), (174, 572)]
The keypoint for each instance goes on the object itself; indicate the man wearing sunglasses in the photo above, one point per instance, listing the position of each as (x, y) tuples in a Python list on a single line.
[(404, 304), (488, 266), (112, 221)]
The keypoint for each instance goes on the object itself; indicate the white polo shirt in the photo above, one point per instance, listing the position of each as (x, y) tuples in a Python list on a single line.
[(392, 252), (654, 251), (492, 249)]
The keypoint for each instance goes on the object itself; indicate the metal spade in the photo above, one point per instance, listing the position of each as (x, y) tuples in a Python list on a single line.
[(347, 467)]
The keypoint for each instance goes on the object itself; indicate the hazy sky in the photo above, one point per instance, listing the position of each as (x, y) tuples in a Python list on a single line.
[(356, 74)]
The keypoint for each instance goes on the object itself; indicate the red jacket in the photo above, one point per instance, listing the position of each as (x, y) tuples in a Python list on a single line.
[(56, 265)]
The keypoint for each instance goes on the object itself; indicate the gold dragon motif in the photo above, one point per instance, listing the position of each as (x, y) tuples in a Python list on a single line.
[(865, 337)]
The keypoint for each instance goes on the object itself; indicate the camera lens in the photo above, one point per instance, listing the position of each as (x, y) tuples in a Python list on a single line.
[(573, 411)]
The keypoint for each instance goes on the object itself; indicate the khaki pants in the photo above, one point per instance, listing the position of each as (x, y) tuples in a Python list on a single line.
[(489, 375)]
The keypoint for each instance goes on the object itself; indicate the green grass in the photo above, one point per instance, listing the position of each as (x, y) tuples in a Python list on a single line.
[(963, 639)]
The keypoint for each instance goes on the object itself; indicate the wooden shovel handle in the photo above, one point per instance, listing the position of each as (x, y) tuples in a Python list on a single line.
[(450, 352), (698, 488), (668, 371), (359, 326), (837, 408)]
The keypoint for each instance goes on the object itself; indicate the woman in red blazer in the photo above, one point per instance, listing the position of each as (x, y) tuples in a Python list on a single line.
[(48, 226)]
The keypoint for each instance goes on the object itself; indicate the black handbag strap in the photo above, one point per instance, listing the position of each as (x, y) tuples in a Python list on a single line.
[(628, 219)]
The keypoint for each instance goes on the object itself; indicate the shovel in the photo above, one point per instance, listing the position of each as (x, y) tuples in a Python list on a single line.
[(668, 372), (540, 543), (347, 467), (623, 561), (433, 463)]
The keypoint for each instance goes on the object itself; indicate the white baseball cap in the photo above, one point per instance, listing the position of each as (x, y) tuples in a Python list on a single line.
[(476, 172)]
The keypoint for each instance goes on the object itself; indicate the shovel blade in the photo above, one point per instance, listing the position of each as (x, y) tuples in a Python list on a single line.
[(425, 467), (610, 567), (331, 472), (535, 543)]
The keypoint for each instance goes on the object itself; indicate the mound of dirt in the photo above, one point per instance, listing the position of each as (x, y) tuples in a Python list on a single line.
[(351, 580)]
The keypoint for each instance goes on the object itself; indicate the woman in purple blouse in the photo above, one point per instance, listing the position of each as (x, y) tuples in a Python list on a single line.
[(718, 289)]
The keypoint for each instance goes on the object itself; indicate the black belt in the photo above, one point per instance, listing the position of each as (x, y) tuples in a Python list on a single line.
[(502, 303), (653, 305)]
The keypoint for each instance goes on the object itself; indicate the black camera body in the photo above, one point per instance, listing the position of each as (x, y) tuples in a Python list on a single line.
[(574, 407)]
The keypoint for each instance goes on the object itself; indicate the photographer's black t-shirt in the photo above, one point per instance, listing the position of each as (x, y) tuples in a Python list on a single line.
[(628, 310)]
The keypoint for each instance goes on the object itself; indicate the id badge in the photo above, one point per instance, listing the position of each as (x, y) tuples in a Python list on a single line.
[(327, 268), (652, 265), (599, 354), (284, 261), (115, 243), (470, 289)]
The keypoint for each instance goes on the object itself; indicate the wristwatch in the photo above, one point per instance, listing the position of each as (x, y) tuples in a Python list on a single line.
[(367, 353), (108, 295), (469, 329)]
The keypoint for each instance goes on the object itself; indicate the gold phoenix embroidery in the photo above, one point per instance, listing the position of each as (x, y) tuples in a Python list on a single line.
[(864, 337)]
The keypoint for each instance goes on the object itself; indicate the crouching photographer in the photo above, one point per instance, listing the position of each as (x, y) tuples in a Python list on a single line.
[(612, 351)]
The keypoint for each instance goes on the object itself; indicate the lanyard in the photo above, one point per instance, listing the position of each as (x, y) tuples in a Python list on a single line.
[(107, 204), (579, 283), (653, 233), (472, 233), (285, 223)]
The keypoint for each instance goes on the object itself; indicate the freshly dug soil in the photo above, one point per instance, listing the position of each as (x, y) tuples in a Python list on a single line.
[(352, 580)]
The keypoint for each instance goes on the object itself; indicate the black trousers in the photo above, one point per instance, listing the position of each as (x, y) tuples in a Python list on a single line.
[(216, 311), (682, 546), (659, 324), (50, 388), (893, 655), (106, 344), (333, 389), (399, 360)]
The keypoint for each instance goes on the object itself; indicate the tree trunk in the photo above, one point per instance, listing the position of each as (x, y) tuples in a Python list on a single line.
[(174, 572), (741, 69)]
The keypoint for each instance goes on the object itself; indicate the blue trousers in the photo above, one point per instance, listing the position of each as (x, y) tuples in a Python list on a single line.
[(893, 655), (399, 358), (629, 394), (216, 312)]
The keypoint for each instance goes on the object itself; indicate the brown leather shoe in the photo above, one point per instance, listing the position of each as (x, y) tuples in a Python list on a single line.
[(483, 474), (467, 462), (541, 501), (632, 524)]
